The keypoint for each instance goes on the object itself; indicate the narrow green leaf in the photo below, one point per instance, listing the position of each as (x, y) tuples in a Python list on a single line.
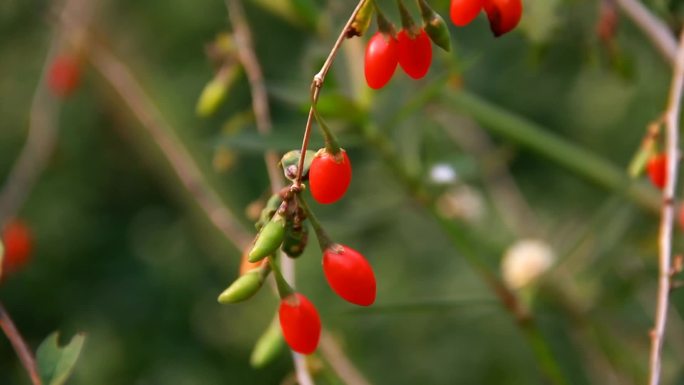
[(55, 363)]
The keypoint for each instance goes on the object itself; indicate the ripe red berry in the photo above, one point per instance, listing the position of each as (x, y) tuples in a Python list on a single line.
[(300, 323), (64, 75), (329, 176), (349, 274), (657, 170), (16, 238), (503, 15), (415, 54), (382, 56), (464, 11)]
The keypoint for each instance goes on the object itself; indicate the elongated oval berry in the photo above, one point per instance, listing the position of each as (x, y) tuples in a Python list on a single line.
[(267, 347), (329, 176), (463, 12), (269, 239), (300, 323), (415, 53), (380, 62), (64, 75), (657, 170), (245, 286), (349, 274), (503, 15), (17, 241)]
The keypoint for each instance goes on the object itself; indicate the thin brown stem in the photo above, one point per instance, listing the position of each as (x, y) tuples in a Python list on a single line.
[(20, 346), (317, 84), (667, 214)]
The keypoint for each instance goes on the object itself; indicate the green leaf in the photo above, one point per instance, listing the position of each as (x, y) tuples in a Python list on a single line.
[(55, 363)]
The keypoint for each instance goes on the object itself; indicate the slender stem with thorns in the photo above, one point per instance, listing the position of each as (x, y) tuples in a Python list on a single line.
[(250, 62), (247, 56), (316, 85), (20, 346), (665, 255)]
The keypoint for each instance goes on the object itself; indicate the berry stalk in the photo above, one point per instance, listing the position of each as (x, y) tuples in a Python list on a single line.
[(316, 85)]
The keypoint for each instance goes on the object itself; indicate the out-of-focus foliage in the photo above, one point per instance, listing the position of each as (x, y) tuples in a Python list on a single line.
[(124, 254)]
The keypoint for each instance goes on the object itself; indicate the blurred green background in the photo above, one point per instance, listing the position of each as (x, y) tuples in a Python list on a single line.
[(124, 254)]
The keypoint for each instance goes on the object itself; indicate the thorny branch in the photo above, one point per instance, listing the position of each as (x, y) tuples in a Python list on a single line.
[(247, 56), (665, 242), (250, 62)]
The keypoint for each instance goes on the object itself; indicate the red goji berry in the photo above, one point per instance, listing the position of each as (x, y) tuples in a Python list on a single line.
[(329, 176), (380, 62), (415, 53), (463, 12), (503, 15), (657, 170), (17, 240), (64, 75), (300, 323), (349, 274)]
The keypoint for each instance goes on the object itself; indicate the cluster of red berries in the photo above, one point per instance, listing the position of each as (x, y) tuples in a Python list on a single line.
[(64, 75), (282, 226), (17, 244), (411, 48)]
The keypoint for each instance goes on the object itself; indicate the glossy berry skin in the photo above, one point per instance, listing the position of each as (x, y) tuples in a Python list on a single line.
[(415, 54), (17, 240), (349, 275), (503, 15), (380, 62), (300, 323), (329, 176), (463, 12), (64, 76), (657, 170)]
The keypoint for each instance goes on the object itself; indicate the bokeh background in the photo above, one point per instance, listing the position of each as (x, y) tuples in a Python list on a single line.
[(124, 253)]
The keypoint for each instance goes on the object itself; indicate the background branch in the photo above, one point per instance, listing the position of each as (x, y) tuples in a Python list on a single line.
[(23, 351), (127, 87), (657, 31), (665, 240)]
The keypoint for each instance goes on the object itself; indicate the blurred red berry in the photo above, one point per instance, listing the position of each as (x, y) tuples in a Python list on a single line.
[(349, 274), (415, 53), (463, 12), (657, 170), (300, 323), (17, 241), (503, 15), (329, 176), (380, 62), (64, 75)]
